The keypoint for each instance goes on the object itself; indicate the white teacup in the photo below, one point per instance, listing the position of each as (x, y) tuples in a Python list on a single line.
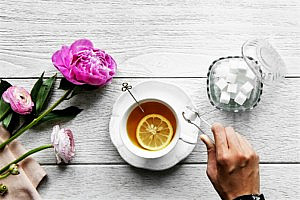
[(177, 112)]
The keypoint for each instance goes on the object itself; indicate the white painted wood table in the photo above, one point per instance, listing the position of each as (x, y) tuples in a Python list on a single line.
[(171, 41)]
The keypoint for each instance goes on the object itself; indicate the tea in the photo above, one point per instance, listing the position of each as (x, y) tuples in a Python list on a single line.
[(152, 107)]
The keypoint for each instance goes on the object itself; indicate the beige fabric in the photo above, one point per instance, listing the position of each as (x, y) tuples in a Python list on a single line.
[(22, 186)]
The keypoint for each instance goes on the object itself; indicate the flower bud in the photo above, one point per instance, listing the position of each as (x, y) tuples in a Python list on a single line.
[(3, 189), (13, 169), (19, 99), (63, 143)]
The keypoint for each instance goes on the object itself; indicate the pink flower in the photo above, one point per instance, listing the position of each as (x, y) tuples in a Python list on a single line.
[(19, 100), (81, 63), (63, 143)]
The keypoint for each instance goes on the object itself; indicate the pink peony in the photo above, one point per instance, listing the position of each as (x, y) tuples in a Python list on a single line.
[(19, 100), (81, 63), (63, 143)]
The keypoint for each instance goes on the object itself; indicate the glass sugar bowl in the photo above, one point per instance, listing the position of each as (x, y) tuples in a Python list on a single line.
[(235, 83)]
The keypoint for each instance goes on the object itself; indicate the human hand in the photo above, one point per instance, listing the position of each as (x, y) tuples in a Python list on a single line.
[(232, 165)]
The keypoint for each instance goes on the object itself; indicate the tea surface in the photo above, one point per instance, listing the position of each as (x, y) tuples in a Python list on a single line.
[(136, 115)]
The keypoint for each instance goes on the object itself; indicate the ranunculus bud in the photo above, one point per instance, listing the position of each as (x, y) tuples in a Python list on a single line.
[(19, 100), (63, 143), (81, 63), (3, 189), (13, 169)]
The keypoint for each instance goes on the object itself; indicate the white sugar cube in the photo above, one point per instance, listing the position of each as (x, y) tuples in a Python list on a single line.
[(246, 88), (190, 115), (232, 88), (242, 67), (234, 68), (250, 75), (225, 97), (231, 78), (221, 83), (240, 98), (241, 78), (249, 95)]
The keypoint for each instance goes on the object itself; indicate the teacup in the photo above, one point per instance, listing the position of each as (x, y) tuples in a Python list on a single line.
[(178, 134)]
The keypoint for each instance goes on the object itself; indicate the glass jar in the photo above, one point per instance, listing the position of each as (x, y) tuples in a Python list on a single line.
[(235, 83)]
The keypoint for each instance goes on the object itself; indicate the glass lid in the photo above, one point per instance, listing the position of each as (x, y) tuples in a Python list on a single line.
[(261, 53)]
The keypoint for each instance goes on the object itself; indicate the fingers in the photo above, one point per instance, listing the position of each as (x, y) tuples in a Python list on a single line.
[(246, 146), (220, 138), (207, 141), (249, 152), (232, 139), (211, 156)]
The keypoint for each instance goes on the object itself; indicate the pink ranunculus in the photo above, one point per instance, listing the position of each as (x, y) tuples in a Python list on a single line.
[(82, 63), (19, 100), (63, 143)]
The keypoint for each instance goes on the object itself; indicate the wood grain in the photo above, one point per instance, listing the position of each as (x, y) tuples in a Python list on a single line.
[(146, 38), (152, 39), (181, 182), (272, 127)]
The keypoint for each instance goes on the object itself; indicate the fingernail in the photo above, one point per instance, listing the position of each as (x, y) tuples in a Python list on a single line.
[(202, 137)]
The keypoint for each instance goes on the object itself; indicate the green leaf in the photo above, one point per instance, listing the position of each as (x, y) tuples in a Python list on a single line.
[(7, 120), (65, 114), (36, 88), (14, 123), (44, 93), (77, 89), (82, 88), (65, 84), (4, 109), (4, 85)]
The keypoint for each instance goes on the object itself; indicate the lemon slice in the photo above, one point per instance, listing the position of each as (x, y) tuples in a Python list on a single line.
[(154, 132)]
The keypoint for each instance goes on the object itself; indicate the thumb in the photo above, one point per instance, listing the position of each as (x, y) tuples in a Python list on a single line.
[(211, 150)]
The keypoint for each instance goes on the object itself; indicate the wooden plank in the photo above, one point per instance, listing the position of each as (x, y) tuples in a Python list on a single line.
[(272, 127), (146, 38), (181, 182)]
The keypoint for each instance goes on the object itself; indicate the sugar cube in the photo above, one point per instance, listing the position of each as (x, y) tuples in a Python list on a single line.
[(234, 68), (225, 97), (240, 98), (250, 75), (221, 83), (231, 78), (242, 67), (241, 78), (246, 88), (190, 115), (249, 95), (232, 88)]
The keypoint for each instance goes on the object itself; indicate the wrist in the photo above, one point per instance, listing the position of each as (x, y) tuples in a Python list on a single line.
[(251, 197)]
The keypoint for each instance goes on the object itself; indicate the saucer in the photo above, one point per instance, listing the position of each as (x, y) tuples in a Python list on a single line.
[(168, 93)]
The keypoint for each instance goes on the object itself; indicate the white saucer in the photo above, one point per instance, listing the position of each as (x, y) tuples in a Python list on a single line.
[(161, 90)]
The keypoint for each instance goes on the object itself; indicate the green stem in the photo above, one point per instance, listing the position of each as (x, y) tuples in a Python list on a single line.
[(36, 120), (4, 114), (32, 151), (5, 175)]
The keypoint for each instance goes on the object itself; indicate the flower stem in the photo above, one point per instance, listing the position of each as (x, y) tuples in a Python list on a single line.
[(36, 120), (5, 175), (32, 151), (4, 114)]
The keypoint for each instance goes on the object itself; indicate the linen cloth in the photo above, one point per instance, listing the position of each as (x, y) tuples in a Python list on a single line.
[(22, 186)]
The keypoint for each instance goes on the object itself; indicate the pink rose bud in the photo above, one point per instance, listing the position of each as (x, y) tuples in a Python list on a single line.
[(19, 100), (82, 63), (63, 143)]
